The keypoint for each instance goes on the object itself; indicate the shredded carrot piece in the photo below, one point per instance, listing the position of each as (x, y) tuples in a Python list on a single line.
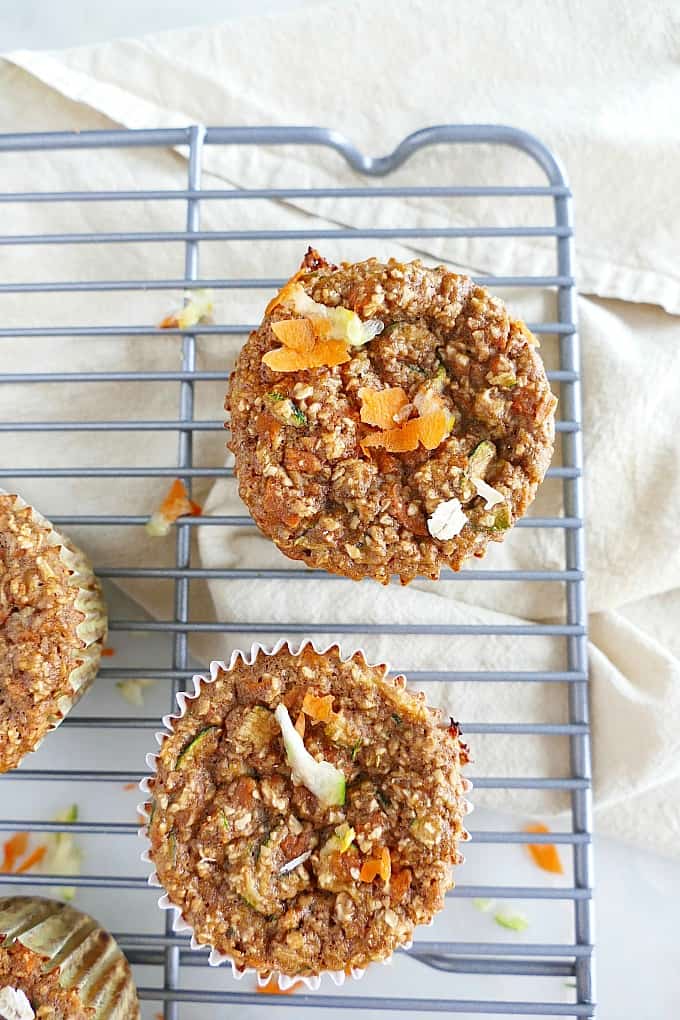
[(378, 407), (296, 334), (434, 428), (281, 359), (279, 298), (397, 440), (300, 724), (32, 860), (296, 356), (317, 707), (130, 786), (373, 867), (328, 353), (429, 430), (13, 849), (322, 327), (108, 652), (272, 988), (545, 855), (177, 503), (401, 882)]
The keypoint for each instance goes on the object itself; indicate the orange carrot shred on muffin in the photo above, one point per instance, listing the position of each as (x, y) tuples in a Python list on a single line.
[(375, 866), (297, 334), (317, 707), (545, 855), (378, 407)]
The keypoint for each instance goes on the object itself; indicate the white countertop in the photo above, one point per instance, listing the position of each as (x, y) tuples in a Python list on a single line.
[(638, 894)]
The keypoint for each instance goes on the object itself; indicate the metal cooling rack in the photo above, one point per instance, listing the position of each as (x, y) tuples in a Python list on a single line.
[(180, 982)]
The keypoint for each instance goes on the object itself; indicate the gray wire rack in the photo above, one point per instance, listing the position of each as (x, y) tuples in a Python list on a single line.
[(170, 951)]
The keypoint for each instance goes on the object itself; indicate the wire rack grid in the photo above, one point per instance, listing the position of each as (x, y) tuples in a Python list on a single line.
[(168, 951)]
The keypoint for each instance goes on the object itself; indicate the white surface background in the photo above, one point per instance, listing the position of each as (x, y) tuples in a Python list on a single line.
[(638, 895)]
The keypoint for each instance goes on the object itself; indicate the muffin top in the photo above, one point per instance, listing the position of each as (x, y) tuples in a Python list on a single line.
[(388, 419), (46, 643), (306, 812), (57, 963), (22, 981)]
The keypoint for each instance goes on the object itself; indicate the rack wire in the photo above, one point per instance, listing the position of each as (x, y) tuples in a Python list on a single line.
[(180, 979)]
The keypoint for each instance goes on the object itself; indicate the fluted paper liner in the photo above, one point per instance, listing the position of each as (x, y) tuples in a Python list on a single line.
[(92, 629), (179, 925), (86, 955)]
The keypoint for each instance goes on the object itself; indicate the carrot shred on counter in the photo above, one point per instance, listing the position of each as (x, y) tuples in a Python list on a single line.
[(272, 988), (13, 849), (107, 653), (32, 859), (373, 867), (318, 707), (544, 855), (131, 786), (177, 503)]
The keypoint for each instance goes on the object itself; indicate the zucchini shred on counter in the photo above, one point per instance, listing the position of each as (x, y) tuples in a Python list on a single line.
[(268, 873)]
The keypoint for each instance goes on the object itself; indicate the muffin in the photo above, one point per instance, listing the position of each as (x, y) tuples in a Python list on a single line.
[(305, 812), (59, 964), (52, 627), (388, 419)]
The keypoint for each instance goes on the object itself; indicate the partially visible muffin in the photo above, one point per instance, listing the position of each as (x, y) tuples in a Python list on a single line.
[(388, 419), (53, 624), (57, 963), (306, 812)]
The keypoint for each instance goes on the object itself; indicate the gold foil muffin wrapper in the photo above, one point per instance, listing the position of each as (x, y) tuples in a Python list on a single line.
[(86, 955), (179, 924)]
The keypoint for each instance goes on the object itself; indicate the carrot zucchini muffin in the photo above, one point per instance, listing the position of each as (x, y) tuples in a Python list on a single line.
[(52, 626), (59, 964), (306, 812), (388, 419)]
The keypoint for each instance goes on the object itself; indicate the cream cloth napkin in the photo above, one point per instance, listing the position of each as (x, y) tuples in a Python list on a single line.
[(603, 96)]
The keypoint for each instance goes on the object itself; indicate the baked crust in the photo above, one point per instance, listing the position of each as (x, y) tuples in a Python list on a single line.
[(359, 512), (226, 817)]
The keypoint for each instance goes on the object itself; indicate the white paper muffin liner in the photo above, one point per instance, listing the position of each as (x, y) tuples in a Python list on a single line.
[(179, 925), (93, 628)]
